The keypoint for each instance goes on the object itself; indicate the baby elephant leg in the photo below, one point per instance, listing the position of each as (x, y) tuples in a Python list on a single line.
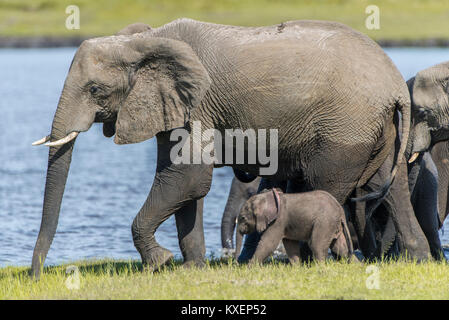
[(319, 243), (293, 250), (268, 242)]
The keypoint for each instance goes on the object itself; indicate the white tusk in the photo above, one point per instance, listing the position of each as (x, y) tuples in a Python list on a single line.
[(41, 141), (62, 141), (413, 158)]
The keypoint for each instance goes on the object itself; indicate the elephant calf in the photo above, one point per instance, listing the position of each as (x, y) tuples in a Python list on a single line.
[(315, 217)]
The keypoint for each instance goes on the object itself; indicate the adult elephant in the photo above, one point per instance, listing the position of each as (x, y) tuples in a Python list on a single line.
[(429, 92), (238, 194), (428, 171), (330, 91)]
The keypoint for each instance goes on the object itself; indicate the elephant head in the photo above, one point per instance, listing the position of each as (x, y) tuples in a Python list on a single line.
[(429, 92), (137, 85), (259, 212)]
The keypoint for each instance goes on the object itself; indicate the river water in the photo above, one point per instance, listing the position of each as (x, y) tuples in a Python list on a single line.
[(107, 183)]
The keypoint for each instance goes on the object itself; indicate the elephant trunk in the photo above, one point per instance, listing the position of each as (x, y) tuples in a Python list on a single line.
[(59, 159), (235, 200), (421, 138), (238, 244)]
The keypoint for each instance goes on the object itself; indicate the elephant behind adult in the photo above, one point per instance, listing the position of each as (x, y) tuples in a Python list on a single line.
[(428, 173), (330, 91), (440, 156), (429, 92)]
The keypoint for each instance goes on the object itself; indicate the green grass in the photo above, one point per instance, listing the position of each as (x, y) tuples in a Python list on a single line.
[(110, 279), (399, 19)]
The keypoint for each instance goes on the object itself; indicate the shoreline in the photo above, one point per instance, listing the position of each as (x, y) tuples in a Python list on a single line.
[(57, 42)]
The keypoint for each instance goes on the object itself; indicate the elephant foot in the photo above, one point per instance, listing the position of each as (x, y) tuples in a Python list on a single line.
[(157, 257), (438, 255), (194, 264), (418, 251), (227, 253)]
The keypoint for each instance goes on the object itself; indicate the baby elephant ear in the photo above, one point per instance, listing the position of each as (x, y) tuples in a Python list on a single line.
[(167, 80), (270, 211)]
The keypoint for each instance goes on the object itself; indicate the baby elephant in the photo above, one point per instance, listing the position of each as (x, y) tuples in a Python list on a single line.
[(315, 217)]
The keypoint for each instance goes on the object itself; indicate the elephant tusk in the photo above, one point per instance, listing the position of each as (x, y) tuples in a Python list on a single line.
[(413, 157), (62, 141), (41, 141)]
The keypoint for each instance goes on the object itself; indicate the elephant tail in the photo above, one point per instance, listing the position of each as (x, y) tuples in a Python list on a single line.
[(347, 235), (403, 106)]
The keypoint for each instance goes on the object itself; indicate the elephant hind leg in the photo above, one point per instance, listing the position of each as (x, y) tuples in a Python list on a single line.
[(319, 241), (293, 250), (397, 203)]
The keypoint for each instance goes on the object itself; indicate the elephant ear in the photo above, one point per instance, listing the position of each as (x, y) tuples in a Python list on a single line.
[(270, 211), (167, 82)]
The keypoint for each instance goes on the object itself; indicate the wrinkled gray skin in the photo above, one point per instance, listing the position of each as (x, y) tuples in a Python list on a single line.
[(440, 156), (315, 217), (429, 91), (428, 175), (330, 91), (424, 197), (238, 194)]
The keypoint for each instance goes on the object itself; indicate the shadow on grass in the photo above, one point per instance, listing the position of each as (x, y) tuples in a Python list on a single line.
[(101, 267)]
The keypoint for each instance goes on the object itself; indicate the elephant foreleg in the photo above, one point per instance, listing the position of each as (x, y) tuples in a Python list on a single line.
[(176, 189), (440, 156), (189, 222), (425, 204)]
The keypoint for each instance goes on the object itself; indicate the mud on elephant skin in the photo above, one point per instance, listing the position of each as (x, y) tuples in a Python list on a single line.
[(315, 217), (143, 85)]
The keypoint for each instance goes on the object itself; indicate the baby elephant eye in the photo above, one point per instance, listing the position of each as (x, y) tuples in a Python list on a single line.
[(93, 89)]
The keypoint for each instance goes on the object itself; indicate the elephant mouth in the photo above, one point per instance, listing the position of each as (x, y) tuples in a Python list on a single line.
[(243, 229), (109, 129)]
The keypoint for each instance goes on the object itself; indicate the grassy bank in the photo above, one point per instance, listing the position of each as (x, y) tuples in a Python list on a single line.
[(399, 19), (224, 280)]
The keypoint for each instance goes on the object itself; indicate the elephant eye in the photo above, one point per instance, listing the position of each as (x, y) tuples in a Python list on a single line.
[(93, 89), (422, 113)]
